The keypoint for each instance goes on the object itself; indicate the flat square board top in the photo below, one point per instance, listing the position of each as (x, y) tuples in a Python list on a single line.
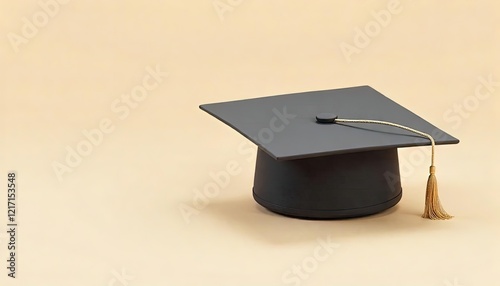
[(285, 126)]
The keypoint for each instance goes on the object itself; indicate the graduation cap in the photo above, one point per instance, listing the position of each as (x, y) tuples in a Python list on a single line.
[(332, 153)]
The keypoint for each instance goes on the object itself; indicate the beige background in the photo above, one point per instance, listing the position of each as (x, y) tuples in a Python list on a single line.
[(118, 209)]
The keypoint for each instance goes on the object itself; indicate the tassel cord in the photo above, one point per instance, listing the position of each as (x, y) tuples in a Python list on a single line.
[(393, 125)]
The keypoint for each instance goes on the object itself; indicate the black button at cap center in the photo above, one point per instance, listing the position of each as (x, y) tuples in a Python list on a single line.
[(326, 118)]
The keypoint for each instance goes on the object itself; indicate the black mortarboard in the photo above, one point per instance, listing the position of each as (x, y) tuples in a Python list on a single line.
[(331, 154)]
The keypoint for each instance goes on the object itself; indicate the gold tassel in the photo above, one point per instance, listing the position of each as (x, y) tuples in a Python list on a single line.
[(433, 209)]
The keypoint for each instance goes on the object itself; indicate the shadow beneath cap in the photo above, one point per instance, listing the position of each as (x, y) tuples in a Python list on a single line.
[(244, 215)]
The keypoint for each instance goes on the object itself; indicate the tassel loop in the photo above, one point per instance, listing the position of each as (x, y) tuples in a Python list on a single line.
[(432, 170)]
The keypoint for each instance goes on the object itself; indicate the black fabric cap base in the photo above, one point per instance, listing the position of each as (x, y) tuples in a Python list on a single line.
[(334, 186)]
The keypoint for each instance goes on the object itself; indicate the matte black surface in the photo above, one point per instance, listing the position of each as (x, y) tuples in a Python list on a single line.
[(329, 187), (285, 126)]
